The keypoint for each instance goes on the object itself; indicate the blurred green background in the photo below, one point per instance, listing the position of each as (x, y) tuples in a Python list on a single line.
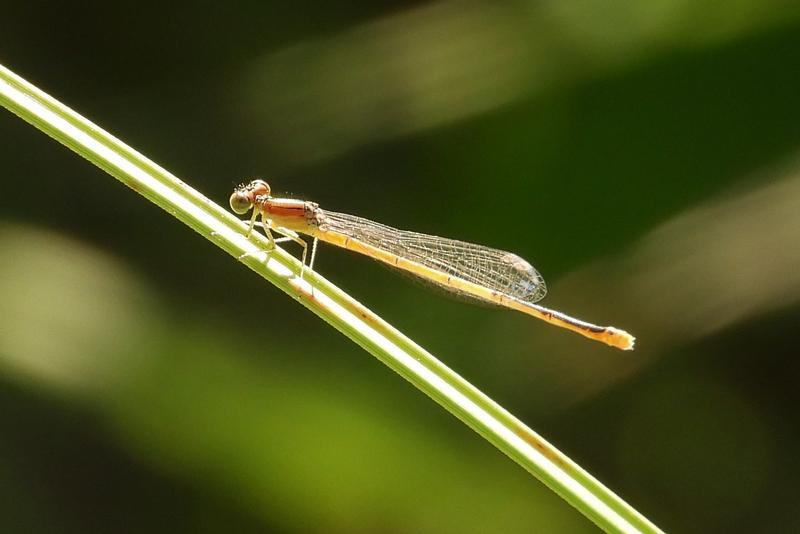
[(643, 155)]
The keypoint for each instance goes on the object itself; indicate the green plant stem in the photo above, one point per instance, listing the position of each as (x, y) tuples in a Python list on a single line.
[(340, 310)]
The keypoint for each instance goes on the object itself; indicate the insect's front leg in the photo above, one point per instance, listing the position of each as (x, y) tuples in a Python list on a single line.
[(265, 224), (252, 223)]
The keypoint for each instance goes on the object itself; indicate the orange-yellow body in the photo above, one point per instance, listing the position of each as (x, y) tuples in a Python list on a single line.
[(307, 218)]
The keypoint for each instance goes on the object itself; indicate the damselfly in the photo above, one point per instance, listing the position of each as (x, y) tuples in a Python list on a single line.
[(473, 271)]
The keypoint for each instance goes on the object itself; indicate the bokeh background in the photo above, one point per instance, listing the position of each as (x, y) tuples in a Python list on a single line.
[(643, 155)]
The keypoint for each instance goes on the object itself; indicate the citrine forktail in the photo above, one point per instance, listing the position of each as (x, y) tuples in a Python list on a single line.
[(472, 271)]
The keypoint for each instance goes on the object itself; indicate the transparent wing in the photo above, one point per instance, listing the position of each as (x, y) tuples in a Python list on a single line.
[(501, 271)]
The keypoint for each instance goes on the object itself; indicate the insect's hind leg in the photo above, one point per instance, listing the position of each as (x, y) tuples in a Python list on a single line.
[(313, 253)]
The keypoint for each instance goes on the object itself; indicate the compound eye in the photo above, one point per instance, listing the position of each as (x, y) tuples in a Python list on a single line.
[(259, 188), (241, 202)]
